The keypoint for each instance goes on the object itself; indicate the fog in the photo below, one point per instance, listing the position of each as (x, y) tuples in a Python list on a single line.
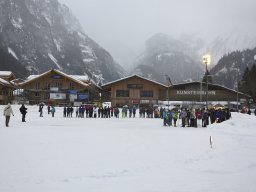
[(123, 26)]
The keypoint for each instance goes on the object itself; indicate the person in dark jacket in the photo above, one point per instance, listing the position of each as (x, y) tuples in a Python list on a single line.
[(23, 111), (53, 110), (41, 106)]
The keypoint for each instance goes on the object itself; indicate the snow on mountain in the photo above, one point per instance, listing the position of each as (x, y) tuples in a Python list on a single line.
[(12, 53), (54, 60), (44, 34)]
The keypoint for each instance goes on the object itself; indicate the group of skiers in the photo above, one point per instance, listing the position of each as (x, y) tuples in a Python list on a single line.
[(50, 108), (189, 117), (91, 111)]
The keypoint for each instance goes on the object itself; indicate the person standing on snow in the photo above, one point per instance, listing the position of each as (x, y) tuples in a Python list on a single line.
[(134, 111), (53, 110), (7, 113), (165, 117), (41, 106), (49, 109), (23, 111), (183, 115), (175, 117), (205, 118)]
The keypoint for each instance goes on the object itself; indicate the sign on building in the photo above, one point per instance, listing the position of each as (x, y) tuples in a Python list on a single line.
[(83, 97), (72, 97), (58, 96), (54, 89), (195, 92)]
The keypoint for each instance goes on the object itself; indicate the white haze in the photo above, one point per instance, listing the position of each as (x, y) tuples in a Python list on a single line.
[(122, 27)]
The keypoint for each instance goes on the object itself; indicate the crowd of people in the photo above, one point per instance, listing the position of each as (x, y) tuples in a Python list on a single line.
[(189, 117)]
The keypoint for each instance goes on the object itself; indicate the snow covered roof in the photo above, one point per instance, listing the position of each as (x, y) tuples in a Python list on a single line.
[(4, 82), (33, 77), (5, 73), (112, 82), (83, 78)]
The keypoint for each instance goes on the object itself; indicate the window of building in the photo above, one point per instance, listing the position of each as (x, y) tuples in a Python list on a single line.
[(72, 85), (122, 93), (10, 93), (134, 86), (146, 94), (37, 85), (58, 84), (37, 94)]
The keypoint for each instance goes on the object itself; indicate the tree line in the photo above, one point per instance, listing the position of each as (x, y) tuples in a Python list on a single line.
[(248, 83)]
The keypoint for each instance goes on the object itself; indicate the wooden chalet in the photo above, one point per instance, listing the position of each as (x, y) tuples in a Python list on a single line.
[(58, 87)]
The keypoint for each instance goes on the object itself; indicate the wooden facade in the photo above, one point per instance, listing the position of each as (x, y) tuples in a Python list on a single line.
[(6, 87), (6, 92), (197, 91), (56, 87), (134, 90), (139, 90)]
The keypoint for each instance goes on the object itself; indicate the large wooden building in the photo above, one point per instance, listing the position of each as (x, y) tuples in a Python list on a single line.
[(137, 90), (197, 92), (134, 90), (57, 87)]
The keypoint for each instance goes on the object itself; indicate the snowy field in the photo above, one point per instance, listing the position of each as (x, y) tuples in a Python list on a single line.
[(125, 155)]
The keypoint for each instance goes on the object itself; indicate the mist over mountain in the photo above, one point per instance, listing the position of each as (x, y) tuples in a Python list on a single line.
[(230, 68), (167, 56), (44, 34), (227, 43), (181, 58)]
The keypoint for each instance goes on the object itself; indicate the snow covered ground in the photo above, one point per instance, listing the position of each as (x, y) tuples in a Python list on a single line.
[(125, 155)]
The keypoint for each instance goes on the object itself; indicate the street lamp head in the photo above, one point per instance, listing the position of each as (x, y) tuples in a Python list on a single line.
[(207, 59)]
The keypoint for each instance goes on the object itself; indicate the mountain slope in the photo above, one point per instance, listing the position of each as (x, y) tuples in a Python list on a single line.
[(167, 56), (44, 34), (230, 68)]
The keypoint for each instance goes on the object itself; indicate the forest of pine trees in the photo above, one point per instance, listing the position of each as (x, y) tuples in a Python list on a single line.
[(248, 83)]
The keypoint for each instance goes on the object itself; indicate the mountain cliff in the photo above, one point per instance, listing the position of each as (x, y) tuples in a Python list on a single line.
[(43, 34)]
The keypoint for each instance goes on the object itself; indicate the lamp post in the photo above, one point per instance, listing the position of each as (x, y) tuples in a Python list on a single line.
[(237, 96), (170, 84), (206, 61)]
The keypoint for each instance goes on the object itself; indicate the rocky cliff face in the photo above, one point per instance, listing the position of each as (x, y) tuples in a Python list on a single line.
[(43, 34)]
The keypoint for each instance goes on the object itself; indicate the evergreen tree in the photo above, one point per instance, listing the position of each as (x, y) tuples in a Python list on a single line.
[(247, 84), (252, 80)]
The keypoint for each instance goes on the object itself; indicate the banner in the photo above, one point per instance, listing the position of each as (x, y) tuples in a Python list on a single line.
[(58, 96), (83, 97), (72, 97)]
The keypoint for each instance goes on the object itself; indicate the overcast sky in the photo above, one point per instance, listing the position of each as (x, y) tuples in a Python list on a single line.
[(123, 26)]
